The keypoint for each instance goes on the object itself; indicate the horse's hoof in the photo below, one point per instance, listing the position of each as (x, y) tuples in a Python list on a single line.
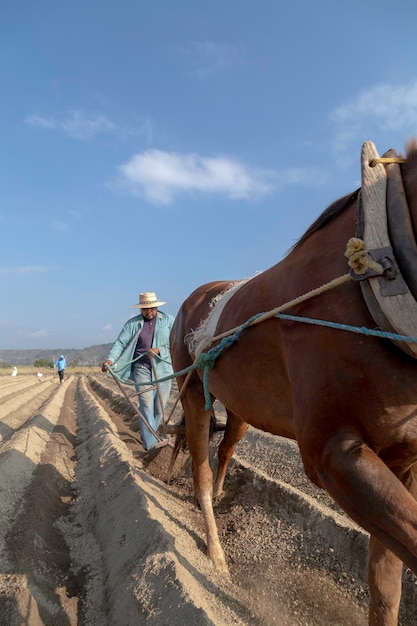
[(219, 561), (217, 497)]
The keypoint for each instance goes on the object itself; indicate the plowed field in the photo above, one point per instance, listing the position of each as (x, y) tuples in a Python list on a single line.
[(91, 534)]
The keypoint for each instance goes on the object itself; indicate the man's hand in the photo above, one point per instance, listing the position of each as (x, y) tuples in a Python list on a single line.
[(153, 351), (104, 366)]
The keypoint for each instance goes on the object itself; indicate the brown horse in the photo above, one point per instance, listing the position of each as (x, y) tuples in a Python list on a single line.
[(349, 400)]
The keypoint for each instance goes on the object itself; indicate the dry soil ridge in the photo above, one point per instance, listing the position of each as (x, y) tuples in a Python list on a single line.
[(136, 545)]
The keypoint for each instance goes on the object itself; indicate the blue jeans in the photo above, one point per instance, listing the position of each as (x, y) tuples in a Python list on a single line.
[(149, 404)]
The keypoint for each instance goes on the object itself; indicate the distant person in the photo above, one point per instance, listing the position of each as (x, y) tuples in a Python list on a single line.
[(142, 338), (61, 364), (14, 371)]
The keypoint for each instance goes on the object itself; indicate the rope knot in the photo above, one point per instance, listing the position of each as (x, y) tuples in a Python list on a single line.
[(226, 342), (205, 360), (359, 259)]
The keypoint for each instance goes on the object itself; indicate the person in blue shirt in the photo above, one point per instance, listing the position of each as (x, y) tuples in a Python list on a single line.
[(61, 364), (144, 339)]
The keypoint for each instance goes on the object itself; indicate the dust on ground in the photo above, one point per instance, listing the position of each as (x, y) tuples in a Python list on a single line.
[(91, 534)]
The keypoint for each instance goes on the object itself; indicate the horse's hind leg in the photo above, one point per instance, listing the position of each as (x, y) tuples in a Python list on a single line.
[(375, 498), (197, 420), (385, 575), (385, 583), (235, 430)]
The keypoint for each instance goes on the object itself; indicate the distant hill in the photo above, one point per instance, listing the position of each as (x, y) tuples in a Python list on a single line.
[(94, 355)]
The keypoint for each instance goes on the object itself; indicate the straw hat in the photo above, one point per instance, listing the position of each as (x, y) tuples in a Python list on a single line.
[(147, 300)]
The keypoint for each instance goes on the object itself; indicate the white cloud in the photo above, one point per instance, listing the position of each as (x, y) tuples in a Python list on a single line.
[(38, 333), (383, 107), (107, 328), (160, 175), (42, 122), (33, 334), (391, 106), (27, 269), (84, 126), (59, 226), (76, 124), (210, 57), (301, 176)]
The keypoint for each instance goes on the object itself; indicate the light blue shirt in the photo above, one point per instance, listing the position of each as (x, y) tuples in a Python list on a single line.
[(123, 348), (60, 363)]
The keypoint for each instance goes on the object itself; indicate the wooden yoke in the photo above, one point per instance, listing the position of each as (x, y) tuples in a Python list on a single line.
[(388, 298)]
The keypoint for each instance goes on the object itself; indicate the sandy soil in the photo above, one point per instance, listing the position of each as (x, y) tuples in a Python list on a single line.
[(91, 534)]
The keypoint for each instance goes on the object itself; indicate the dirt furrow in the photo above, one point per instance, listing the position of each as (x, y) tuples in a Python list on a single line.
[(135, 543), (289, 534), (22, 407), (37, 473), (12, 393), (8, 384), (251, 503), (91, 535), (14, 400)]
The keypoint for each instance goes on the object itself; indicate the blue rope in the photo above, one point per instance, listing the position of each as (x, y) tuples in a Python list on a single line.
[(131, 382), (353, 329), (206, 360)]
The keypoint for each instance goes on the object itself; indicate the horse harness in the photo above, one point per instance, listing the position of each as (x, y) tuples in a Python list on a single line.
[(384, 225)]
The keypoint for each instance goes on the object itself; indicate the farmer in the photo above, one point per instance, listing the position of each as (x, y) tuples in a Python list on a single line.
[(61, 364), (144, 339)]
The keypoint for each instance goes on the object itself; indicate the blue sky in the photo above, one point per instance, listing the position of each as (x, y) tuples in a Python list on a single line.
[(158, 145)]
